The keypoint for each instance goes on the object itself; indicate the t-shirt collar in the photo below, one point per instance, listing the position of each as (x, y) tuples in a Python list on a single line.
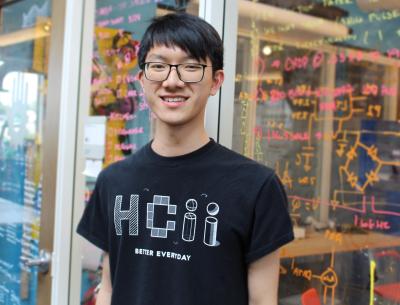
[(152, 156)]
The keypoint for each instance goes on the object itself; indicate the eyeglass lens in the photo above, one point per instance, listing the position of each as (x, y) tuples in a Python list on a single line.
[(189, 72)]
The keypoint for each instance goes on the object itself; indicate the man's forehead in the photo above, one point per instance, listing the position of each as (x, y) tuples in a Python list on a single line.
[(165, 52)]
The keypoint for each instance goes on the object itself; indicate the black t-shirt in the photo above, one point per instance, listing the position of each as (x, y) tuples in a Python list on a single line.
[(182, 230)]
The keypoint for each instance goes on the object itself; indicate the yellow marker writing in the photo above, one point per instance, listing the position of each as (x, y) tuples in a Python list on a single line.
[(372, 268)]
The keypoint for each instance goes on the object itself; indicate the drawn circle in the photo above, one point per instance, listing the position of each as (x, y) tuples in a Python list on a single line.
[(329, 278), (212, 208), (191, 205)]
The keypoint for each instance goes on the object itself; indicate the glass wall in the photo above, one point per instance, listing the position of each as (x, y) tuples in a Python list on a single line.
[(120, 121), (25, 28), (317, 99)]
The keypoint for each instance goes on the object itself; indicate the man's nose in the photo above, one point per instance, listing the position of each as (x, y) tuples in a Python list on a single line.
[(173, 79)]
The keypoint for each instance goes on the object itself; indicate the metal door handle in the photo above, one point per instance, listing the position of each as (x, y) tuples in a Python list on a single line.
[(42, 262)]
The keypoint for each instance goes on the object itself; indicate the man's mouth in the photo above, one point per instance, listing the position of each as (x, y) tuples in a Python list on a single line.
[(176, 99)]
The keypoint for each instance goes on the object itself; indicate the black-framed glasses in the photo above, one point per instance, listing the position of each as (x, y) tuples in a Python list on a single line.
[(188, 72)]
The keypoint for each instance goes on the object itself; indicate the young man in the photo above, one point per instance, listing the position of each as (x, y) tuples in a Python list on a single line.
[(184, 220)]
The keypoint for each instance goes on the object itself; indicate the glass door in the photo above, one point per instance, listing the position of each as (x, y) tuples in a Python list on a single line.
[(25, 30), (115, 120)]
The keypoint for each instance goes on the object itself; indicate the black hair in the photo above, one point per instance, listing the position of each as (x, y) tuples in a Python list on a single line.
[(190, 33)]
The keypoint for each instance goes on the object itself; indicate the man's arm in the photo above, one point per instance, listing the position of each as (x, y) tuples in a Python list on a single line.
[(262, 280), (104, 296)]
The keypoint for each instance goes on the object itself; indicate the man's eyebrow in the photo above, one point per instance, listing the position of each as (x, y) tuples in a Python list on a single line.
[(156, 56), (163, 58)]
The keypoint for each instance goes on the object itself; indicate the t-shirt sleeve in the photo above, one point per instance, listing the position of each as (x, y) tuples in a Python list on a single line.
[(272, 227), (94, 222)]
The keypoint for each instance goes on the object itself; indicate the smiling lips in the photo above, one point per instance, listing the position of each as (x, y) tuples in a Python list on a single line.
[(173, 101)]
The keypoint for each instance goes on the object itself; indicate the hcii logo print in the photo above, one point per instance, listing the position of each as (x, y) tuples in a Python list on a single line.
[(190, 220)]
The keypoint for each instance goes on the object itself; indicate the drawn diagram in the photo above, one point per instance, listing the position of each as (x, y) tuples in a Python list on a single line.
[(360, 162), (328, 278)]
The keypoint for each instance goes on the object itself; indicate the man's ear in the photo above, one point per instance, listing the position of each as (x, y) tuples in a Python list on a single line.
[(218, 79), (140, 77)]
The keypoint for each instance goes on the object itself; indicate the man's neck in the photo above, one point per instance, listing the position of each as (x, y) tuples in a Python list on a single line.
[(178, 140)]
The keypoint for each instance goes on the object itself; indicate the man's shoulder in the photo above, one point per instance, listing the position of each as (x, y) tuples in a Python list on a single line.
[(236, 162), (121, 168)]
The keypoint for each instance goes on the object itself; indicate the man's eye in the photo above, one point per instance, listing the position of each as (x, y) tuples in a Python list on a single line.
[(157, 66), (191, 67)]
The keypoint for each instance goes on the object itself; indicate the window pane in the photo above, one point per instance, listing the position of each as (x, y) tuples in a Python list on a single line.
[(316, 98), (25, 30)]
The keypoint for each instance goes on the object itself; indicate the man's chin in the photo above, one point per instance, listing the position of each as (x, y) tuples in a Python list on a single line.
[(174, 122)]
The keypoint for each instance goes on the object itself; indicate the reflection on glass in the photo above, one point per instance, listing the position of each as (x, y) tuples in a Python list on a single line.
[(317, 99), (120, 121), (24, 46)]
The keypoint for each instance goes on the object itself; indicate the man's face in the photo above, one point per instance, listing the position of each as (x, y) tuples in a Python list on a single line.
[(173, 101)]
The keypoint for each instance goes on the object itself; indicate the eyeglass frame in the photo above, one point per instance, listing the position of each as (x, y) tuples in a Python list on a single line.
[(145, 64)]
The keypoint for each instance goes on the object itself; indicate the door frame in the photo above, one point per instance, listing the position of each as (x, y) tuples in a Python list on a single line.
[(223, 15), (78, 179), (59, 134)]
